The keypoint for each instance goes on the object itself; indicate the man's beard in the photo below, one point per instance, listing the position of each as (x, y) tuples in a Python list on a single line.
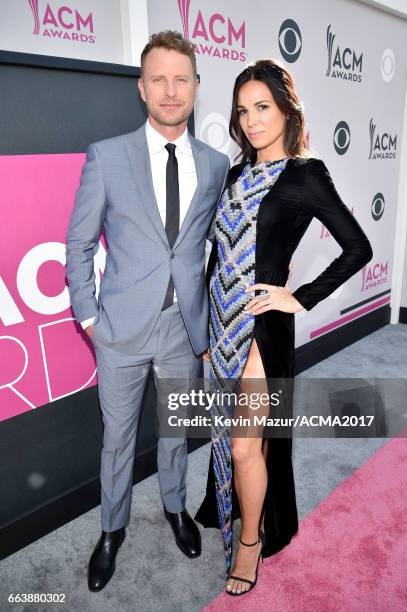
[(164, 119)]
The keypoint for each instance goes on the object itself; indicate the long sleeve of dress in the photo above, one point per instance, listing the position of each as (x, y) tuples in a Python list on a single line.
[(321, 200)]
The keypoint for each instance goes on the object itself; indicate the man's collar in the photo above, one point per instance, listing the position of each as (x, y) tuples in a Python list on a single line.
[(156, 141)]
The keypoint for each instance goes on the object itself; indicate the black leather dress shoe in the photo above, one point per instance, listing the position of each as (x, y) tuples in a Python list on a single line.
[(103, 560), (187, 536)]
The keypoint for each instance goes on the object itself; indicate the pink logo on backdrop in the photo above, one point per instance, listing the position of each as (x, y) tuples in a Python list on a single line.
[(214, 35), (44, 354), (62, 22), (374, 275), (34, 7), (183, 6)]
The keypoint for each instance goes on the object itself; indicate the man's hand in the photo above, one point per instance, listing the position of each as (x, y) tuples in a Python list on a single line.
[(205, 355), (89, 331)]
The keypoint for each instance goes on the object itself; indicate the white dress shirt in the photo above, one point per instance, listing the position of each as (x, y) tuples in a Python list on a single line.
[(187, 178)]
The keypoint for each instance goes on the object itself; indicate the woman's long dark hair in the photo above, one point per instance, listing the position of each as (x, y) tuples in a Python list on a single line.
[(281, 84)]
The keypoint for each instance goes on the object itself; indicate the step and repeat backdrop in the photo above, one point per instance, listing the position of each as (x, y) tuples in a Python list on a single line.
[(350, 66), (352, 87)]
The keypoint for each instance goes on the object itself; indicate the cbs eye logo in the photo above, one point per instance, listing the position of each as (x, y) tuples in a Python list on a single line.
[(377, 208), (341, 138), (290, 40), (215, 131), (387, 65)]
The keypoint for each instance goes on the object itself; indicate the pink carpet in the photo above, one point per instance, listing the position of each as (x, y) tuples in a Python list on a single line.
[(350, 554)]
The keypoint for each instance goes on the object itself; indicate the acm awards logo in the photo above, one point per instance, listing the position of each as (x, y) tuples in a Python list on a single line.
[(213, 34), (374, 275), (382, 144), (343, 63), (62, 22)]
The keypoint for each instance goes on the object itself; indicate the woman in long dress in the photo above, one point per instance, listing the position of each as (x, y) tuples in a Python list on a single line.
[(270, 199)]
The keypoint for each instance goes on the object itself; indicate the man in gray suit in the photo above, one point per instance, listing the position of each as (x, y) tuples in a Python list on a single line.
[(154, 192)]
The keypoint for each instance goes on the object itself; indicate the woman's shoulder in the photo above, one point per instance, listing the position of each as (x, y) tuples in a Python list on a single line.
[(310, 168), (235, 171), (309, 162), (237, 167)]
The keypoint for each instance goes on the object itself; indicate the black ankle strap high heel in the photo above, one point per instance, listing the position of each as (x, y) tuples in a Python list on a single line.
[(251, 582)]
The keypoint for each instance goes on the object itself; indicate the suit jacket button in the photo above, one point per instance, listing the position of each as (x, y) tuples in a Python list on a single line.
[(172, 255)]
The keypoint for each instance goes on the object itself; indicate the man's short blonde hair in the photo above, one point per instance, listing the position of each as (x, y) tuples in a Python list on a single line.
[(172, 40)]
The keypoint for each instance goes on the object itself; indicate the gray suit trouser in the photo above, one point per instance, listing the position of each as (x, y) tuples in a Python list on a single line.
[(121, 383)]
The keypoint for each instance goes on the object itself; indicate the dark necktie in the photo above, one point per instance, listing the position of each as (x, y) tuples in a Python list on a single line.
[(171, 212)]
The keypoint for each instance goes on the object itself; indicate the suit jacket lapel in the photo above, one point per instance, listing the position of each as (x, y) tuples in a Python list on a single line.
[(202, 174), (139, 160)]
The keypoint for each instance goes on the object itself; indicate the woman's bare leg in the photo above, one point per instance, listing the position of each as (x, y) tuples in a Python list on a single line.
[(250, 476), (264, 451)]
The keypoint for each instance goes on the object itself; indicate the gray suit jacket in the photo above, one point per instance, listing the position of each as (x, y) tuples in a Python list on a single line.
[(116, 192)]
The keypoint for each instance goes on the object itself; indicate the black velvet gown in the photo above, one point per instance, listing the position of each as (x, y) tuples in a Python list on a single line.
[(303, 190)]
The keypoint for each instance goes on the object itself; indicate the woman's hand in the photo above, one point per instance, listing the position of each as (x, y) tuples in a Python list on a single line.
[(290, 267), (205, 355), (276, 298)]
